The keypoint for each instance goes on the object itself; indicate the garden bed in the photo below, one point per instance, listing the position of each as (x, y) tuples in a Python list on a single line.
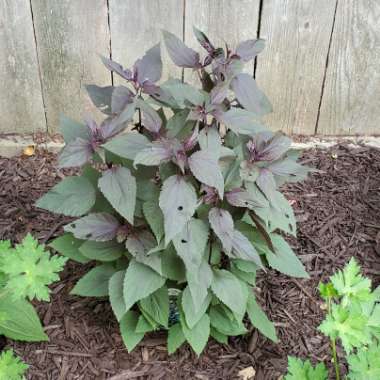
[(338, 213)]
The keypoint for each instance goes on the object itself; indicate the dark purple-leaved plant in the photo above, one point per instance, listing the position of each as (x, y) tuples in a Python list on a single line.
[(178, 196)]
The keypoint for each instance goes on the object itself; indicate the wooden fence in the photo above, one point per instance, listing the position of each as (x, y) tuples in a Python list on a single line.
[(321, 66)]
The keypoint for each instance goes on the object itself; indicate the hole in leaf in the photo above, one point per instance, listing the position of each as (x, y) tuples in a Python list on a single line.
[(88, 236), (290, 227), (286, 215), (73, 225), (180, 208), (269, 224), (183, 241)]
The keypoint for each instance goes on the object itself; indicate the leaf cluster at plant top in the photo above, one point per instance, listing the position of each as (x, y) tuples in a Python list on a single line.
[(179, 197), (11, 367), (354, 319), (25, 273)]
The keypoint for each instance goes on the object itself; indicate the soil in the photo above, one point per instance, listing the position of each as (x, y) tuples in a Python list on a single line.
[(338, 217)]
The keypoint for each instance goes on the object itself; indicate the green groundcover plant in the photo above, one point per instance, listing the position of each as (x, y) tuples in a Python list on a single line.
[(353, 318), (25, 273), (178, 200), (11, 367)]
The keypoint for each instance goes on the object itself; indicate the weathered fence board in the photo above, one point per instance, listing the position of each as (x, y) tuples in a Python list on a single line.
[(291, 68), (223, 21), (136, 26), (21, 106), (70, 35), (351, 99)]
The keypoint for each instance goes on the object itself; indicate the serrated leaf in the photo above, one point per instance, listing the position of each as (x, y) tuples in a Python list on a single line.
[(229, 290), (140, 281), (248, 50), (115, 291), (73, 196), (143, 325), (121, 97), (199, 281), (210, 140), (193, 309), (249, 95), (222, 224), (175, 338), (365, 364), (11, 366), (205, 169), (95, 282), (118, 185), (128, 330), (99, 226), (67, 245), (243, 249), (101, 97), (127, 145), (179, 53), (173, 267), (225, 322), (101, 250), (177, 201), (259, 319), (75, 153), (149, 67), (157, 306), (150, 118), (303, 370), (241, 121), (154, 154), (71, 129), (21, 322), (154, 217)]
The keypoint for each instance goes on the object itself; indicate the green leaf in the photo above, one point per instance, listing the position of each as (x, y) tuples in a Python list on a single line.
[(284, 259), (365, 364), (95, 282), (192, 308), (230, 290), (71, 129), (173, 267), (128, 326), (73, 196), (144, 326), (176, 123), (67, 245), (178, 201), (119, 187), (11, 366), (115, 291), (154, 217), (191, 242), (101, 97), (175, 338), (260, 320), (199, 281), (102, 250), (127, 145), (140, 281), (218, 336), (303, 370), (21, 322), (30, 269), (157, 306), (198, 335), (225, 322)]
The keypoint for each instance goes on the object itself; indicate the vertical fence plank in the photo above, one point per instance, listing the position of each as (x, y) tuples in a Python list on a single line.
[(136, 26), (230, 21), (291, 68), (351, 97), (70, 35), (21, 106)]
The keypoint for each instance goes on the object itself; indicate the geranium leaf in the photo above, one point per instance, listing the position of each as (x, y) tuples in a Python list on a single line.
[(205, 169), (101, 97), (115, 291), (177, 201), (210, 140), (135, 272), (97, 226), (179, 53), (224, 321), (127, 145), (95, 282), (249, 95), (223, 225), (303, 370), (128, 325), (75, 153), (119, 187), (248, 50), (230, 290)]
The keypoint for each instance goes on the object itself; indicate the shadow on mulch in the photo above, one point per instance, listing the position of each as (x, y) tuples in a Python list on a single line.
[(338, 213)]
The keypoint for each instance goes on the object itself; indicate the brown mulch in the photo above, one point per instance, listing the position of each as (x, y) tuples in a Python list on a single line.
[(338, 211)]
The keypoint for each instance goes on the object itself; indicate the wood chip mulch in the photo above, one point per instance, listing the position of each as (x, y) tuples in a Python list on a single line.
[(338, 213)]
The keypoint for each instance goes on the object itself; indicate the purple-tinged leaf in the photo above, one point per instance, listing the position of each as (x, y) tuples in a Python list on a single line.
[(266, 183), (119, 187), (205, 169), (271, 148), (289, 169), (239, 197), (121, 97), (127, 145), (149, 67), (183, 93), (241, 121), (179, 53), (249, 95), (219, 93), (223, 225), (177, 201), (150, 118), (126, 115), (249, 49), (210, 140), (154, 154), (192, 140), (203, 40), (71, 129), (98, 226), (140, 243), (117, 68), (101, 97), (243, 249), (76, 153), (249, 171)]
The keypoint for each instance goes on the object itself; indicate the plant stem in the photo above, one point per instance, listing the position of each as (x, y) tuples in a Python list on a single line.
[(333, 346)]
